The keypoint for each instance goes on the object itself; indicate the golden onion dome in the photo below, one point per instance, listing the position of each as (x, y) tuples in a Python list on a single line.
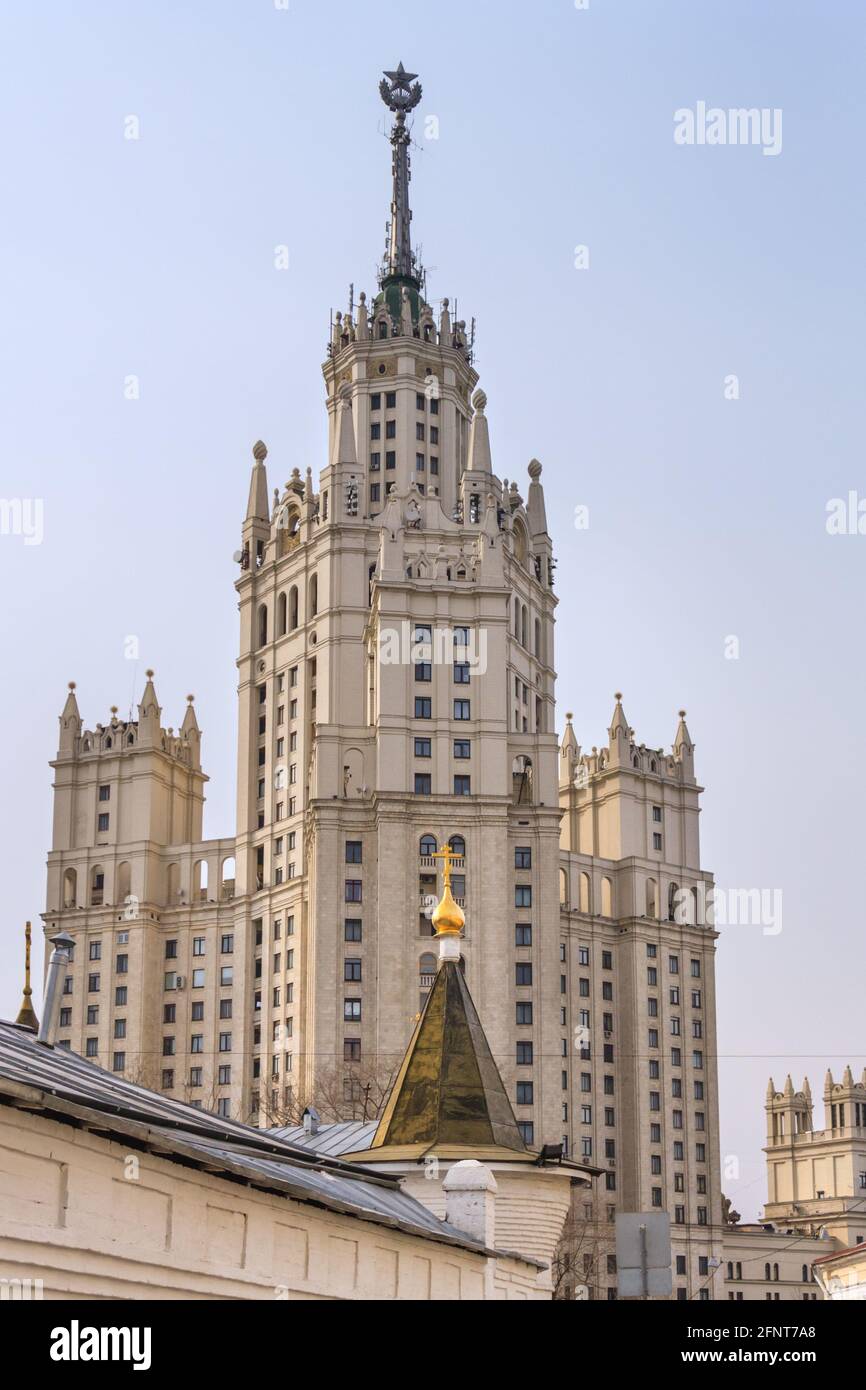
[(448, 918)]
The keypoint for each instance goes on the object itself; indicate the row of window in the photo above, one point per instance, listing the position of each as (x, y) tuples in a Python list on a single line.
[(390, 397), (461, 709)]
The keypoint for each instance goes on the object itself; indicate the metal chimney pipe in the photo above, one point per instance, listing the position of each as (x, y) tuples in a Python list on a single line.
[(63, 944)]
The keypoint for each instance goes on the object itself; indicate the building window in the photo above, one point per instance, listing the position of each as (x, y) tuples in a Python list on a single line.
[(423, 784), (522, 895), (462, 748), (423, 748), (524, 1013), (423, 707), (352, 969), (352, 1009), (524, 1054), (462, 786), (461, 709), (523, 934), (353, 890), (353, 851), (522, 857), (524, 1093), (352, 929), (523, 973)]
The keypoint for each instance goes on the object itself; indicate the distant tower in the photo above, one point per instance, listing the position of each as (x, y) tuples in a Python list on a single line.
[(816, 1179)]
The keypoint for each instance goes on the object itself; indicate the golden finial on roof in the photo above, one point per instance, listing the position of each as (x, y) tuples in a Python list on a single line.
[(448, 918), (26, 1014)]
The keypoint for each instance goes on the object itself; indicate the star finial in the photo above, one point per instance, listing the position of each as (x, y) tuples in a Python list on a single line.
[(399, 90)]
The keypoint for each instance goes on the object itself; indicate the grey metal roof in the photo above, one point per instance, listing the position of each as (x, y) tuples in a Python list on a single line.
[(74, 1091), (332, 1140)]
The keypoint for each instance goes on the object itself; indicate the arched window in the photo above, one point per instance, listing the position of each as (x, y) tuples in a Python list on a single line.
[(606, 897), (458, 845), (282, 615), (767, 1270), (517, 619), (124, 881), (730, 1269), (70, 888), (523, 627), (775, 1272), (739, 1270), (521, 780), (263, 624), (652, 898), (173, 894), (97, 886), (130, 739), (585, 894), (427, 966), (695, 900), (673, 901), (199, 880), (293, 608), (427, 845), (563, 888), (313, 606), (805, 1274), (227, 880), (538, 652)]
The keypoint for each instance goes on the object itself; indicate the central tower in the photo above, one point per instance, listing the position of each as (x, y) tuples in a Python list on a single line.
[(397, 697)]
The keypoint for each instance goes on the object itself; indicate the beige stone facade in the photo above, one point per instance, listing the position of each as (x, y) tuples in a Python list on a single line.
[(396, 686), (816, 1194)]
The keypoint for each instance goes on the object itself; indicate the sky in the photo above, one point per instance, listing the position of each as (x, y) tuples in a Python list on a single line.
[(692, 377)]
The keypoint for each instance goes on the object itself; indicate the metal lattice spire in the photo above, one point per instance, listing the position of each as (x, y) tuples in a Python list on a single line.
[(401, 94)]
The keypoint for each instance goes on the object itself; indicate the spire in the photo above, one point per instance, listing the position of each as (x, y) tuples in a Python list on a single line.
[(620, 735), (479, 438), (257, 506), (807, 1089), (771, 1089), (683, 738), (535, 510), (684, 749), (344, 435), (27, 1014), (148, 714), (448, 1093), (70, 722), (401, 94), (789, 1086)]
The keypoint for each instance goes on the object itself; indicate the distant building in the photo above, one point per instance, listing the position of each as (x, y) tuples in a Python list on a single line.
[(816, 1207)]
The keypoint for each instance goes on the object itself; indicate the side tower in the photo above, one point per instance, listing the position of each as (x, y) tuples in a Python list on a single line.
[(816, 1179), (638, 1017), (130, 878), (396, 693)]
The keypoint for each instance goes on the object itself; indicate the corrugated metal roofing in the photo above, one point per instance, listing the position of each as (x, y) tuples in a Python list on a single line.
[(74, 1090), (343, 1137)]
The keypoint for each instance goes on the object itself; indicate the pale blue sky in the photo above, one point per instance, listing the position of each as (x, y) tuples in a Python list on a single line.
[(261, 127)]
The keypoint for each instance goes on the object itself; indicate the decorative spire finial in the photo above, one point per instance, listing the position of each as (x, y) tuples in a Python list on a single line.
[(26, 1014), (448, 918), (401, 94)]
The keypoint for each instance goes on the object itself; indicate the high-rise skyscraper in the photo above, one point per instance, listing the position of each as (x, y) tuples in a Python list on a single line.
[(396, 695)]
